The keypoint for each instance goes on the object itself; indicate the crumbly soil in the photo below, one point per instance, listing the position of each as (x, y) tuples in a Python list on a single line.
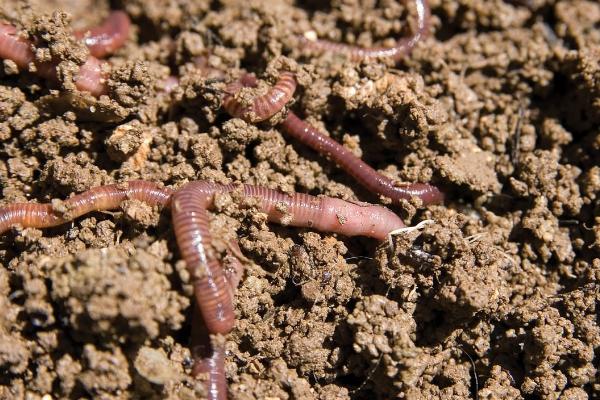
[(496, 298)]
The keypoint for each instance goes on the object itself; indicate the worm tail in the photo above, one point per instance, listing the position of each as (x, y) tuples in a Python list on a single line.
[(108, 197), (358, 169), (209, 358), (403, 46)]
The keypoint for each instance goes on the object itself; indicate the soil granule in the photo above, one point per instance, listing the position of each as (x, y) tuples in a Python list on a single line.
[(496, 298)]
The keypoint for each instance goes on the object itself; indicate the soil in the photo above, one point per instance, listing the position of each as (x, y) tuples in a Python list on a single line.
[(498, 297)]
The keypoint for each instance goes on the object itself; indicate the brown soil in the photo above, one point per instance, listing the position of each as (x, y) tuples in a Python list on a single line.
[(497, 298)]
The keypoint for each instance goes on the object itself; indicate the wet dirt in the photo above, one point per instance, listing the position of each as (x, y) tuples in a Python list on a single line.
[(497, 297)]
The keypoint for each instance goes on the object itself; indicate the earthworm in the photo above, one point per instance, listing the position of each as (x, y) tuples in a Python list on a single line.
[(105, 39), (214, 289), (209, 358), (262, 107), (101, 41), (108, 197), (356, 53), (358, 169), (90, 77), (190, 221), (323, 144), (213, 286)]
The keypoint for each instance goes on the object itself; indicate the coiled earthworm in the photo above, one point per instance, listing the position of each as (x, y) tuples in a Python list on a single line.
[(100, 198), (190, 222), (105, 39), (355, 167), (262, 107), (90, 77), (402, 47)]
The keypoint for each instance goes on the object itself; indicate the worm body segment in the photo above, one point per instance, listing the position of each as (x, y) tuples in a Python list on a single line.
[(105, 39), (191, 225), (262, 107), (106, 197), (358, 169), (90, 77), (356, 53)]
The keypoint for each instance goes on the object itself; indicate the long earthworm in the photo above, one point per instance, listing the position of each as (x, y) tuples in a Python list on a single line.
[(274, 100), (355, 167), (190, 221), (213, 287), (108, 37), (402, 48)]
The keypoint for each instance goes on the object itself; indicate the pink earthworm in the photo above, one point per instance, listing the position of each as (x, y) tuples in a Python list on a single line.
[(101, 41), (105, 39), (403, 46), (213, 286), (262, 107), (108, 197), (90, 77), (190, 221), (208, 355), (209, 358), (358, 169), (326, 146)]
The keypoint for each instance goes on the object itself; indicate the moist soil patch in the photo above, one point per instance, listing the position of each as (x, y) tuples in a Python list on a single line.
[(497, 297)]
